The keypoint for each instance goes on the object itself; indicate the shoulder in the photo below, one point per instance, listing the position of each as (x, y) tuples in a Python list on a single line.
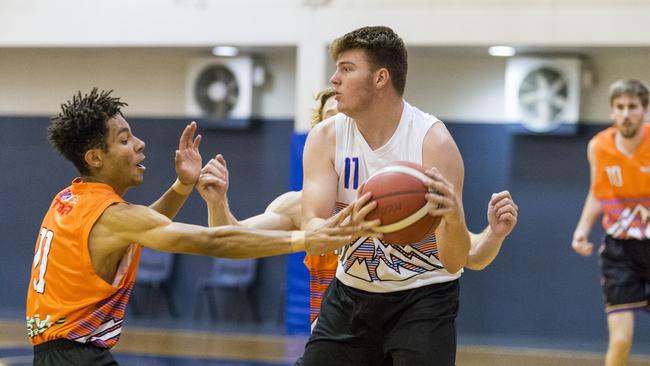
[(325, 129), (438, 137), (604, 135), (602, 141), (322, 138)]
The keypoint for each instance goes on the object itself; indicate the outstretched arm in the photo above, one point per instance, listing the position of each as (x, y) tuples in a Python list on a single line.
[(121, 225), (502, 216), (590, 212), (188, 168), (284, 213), (281, 214)]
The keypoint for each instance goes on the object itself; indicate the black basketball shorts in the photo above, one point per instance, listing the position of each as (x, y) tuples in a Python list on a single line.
[(625, 266), (66, 352), (404, 328)]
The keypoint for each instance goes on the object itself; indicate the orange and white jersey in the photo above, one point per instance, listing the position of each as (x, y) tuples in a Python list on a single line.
[(322, 269), (66, 298), (622, 185)]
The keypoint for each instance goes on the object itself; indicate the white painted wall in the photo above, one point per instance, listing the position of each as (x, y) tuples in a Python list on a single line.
[(152, 81), (46, 23), (34, 74), (454, 84)]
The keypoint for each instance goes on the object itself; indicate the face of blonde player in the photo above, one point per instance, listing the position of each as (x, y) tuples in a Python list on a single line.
[(329, 108), (628, 114), (353, 82), (122, 166)]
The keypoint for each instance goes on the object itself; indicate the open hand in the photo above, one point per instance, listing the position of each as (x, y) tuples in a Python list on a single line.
[(188, 158)]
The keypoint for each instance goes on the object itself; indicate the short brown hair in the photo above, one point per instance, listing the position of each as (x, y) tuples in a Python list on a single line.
[(629, 87), (321, 97), (383, 47)]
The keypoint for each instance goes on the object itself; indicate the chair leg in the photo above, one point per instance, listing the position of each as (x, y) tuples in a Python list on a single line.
[(170, 301)]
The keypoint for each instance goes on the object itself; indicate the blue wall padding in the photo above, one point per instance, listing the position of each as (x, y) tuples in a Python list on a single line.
[(297, 312)]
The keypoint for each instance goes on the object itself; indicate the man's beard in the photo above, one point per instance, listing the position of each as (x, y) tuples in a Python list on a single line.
[(628, 131)]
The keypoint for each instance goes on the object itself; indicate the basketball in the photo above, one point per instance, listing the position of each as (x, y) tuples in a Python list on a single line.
[(399, 191)]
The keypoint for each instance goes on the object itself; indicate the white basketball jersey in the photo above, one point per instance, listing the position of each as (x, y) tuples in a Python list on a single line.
[(369, 264)]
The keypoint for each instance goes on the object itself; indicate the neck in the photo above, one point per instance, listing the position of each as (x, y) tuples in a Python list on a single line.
[(629, 145), (90, 179), (378, 123)]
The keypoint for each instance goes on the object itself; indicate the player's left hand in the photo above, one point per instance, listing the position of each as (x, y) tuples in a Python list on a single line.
[(444, 199), (214, 180), (502, 214), (188, 158)]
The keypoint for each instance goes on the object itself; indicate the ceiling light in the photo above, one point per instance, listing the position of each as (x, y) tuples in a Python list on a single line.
[(227, 51), (501, 51)]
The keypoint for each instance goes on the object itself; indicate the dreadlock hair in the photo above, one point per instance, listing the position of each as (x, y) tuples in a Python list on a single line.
[(81, 126), (321, 97), (383, 47)]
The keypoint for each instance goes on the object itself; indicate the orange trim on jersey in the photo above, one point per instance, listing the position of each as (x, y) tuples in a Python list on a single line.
[(66, 298), (322, 269), (622, 185)]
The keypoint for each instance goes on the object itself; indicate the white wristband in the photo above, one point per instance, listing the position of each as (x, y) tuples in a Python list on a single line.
[(297, 241), (182, 189)]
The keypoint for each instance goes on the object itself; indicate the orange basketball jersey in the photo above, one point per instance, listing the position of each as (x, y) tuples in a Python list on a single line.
[(66, 298), (622, 185), (322, 269)]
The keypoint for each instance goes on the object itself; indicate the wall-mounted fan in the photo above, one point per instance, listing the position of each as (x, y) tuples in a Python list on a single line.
[(543, 94), (220, 88)]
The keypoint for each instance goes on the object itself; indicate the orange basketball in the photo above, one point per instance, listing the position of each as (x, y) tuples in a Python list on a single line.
[(399, 191)]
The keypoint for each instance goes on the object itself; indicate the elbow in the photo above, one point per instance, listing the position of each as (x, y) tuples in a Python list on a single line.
[(453, 266), (453, 269), (475, 266)]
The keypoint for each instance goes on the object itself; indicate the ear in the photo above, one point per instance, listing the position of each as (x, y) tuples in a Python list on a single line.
[(382, 77), (94, 158)]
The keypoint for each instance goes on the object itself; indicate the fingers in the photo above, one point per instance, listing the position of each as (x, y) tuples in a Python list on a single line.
[(442, 193), (187, 136), (221, 160), (584, 249), (506, 210), (216, 166), (362, 208), (209, 179), (496, 197), (197, 142), (342, 215)]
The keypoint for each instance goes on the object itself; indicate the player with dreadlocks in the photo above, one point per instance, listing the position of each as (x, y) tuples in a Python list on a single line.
[(87, 251)]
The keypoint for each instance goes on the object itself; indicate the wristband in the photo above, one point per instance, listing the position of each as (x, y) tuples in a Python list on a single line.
[(297, 241), (182, 189)]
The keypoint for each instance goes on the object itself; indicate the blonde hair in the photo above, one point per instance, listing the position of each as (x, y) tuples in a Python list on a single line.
[(321, 97)]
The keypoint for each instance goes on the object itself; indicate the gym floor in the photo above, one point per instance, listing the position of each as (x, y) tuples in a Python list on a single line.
[(164, 347)]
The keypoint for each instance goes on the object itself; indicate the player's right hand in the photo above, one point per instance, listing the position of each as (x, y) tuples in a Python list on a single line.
[(342, 228), (582, 245)]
